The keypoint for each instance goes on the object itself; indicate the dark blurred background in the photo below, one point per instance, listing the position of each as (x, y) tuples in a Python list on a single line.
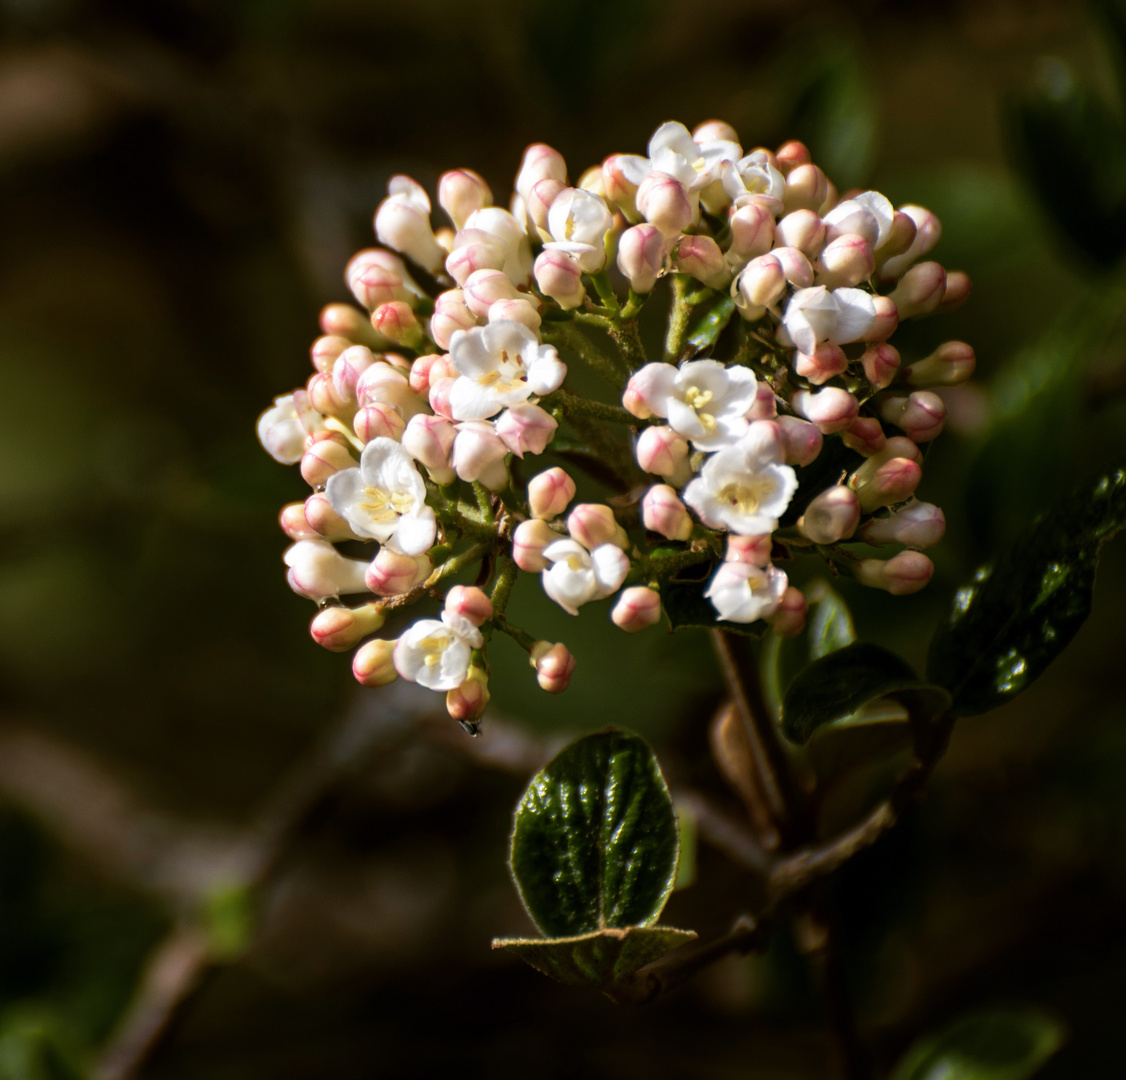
[(181, 184)]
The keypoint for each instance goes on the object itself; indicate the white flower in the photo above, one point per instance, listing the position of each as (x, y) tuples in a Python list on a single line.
[(672, 150), (402, 222), (317, 570), (744, 488), (500, 365), (753, 175), (578, 222), (385, 498), (506, 230), (577, 576), (282, 428), (814, 316), (742, 592), (703, 401), (868, 214), (436, 654)]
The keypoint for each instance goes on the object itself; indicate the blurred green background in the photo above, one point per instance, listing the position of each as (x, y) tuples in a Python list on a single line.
[(181, 185)]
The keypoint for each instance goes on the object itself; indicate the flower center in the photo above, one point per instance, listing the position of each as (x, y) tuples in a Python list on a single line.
[(575, 563), (433, 646), (386, 505), (748, 496), (696, 399), (504, 381)]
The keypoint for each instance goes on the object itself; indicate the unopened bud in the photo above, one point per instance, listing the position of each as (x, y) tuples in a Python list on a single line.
[(543, 194), (374, 421), (663, 512), (540, 162), (701, 257), (806, 188), (559, 276), (826, 361), (951, 364), (549, 493), (846, 261), (920, 415), (340, 628), (752, 232), (372, 665), (889, 482), (865, 435), (377, 277), (958, 289), (318, 571), (662, 201), (470, 603), (662, 451), (439, 397), (346, 372), (637, 609), (916, 525), (755, 550), (920, 290), (886, 320), (899, 239), (790, 155), (621, 175), (483, 288), (468, 702), (711, 130), (343, 320), (525, 429), (397, 322), (641, 256), (765, 405), (881, 362), (831, 408), (325, 458), (801, 440), (831, 516), (419, 378), (392, 573), (804, 230), (462, 191), (528, 542), (788, 619), (594, 524), (450, 313), (293, 523), (760, 283), (478, 454), (554, 665), (325, 521), (797, 268), (928, 230), (905, 573), (521, 309), (324, 398), (325, 350), (402, 222)]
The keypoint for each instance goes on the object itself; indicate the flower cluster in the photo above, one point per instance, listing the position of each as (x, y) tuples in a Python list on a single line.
[(776, 371)]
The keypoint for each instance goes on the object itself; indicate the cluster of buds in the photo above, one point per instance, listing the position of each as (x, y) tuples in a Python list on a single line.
[(421, 398)]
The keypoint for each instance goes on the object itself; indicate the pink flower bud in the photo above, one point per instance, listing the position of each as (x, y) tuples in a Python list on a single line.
[(765, 405), (846, 261), (374, 421), (958, 289), (396, 321), (377, 277), (543, 194), (788, 619), (593, 524), (951, 364), (392, 573), (325, 458), (865, 435), (755, 550), (921, 415), (641, 256), (796, 267), (701, 257), (317, 570), (920, 290), (889, 482), (826, 361), (475, 249), (324, 398), (663, 512), (483, 288), (831, 516), (801, 440), (761, 283), (467, 703), (325, 350), (477, 450), (804, 230), (637, 609), (439, 397), (345, 321), (429, 439), (711, 130), (419, 378), (402, 222), (324, 521), (554, 665), (905, 573), (917, 525), (450, 313), (461, 192), (528, 542), (662, 201), (470, 603), (886, 320), (540, 162), (371, 664), (293, 523), (346, 372), (899, 239), (806, 188), (790, 155), (521, 309), (831, 408), (525, 429), (928, 230), (752, 232), (881, 362), (620, 179), (339, 628), (662, 451), (559, 276), (549, 493)]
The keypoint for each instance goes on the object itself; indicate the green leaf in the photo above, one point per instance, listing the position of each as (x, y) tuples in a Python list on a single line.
[(1018, 614), (687, 607), (229, 918), (600, 960), (595, 840), (34, 1049), (711, 324), (1000, 1044), (839, 685)]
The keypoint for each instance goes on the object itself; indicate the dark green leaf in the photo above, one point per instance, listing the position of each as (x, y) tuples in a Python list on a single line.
[(705, 333), (1001, 1044), (872, 734), (595, 840), (838, 685), (1017, 616), (600, 960), (687, 607)]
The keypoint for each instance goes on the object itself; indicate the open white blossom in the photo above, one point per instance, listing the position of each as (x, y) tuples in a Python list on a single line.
[(385, 498), (436, 654), (578, 222), (814, 316), (868, 214), (752, 175), (283, 427), (703, 401), (498, 366), (672, 150), (577, 576), (742, 592), (744, 488)]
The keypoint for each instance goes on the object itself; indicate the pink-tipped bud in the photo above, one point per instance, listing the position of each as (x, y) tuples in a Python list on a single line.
[(554, 665), (865, 435), (325, 350), (886, 320), (543, 194), (528, 542), (831, 516), (905, 573), (831, 408), (460, 192), (402, 222), (881, 362), (478, 454), (900, 237), (916, 525), (637, 608), (889, 482), (797, 268), (540, 162), (621, 174), (958, 289), (346, 372), (662, 451), (846, 261), (951, 364), (594, 524), (343, 320), (920, 290), (701, 257), (663, 201), (521, 309), (371, 664), (439, 397), (324, 521), (525, 429), (921, 415), (378, 420), (450, 313), (377, 277), (397, 322), (801, 440), (754, 550), (663, 512), (806, 188), (340, 628), (804, 230), (788, 619), (549, 493), (483, 288), (419, 378), (790, 155), (392, 573), (711, 130), (470, 603), (928, 230), (293, 522), (467, 703), (826, 361), (559, 276), (765, 405), (752, 232), (324, 398), (641, 256), (761, 283), (325, 458)]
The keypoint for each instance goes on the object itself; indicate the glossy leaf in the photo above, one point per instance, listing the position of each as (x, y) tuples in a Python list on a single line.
[(1001, 1044), (595, 840), (838, 685), (1018, 614), (687, 607), (705, 332)]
